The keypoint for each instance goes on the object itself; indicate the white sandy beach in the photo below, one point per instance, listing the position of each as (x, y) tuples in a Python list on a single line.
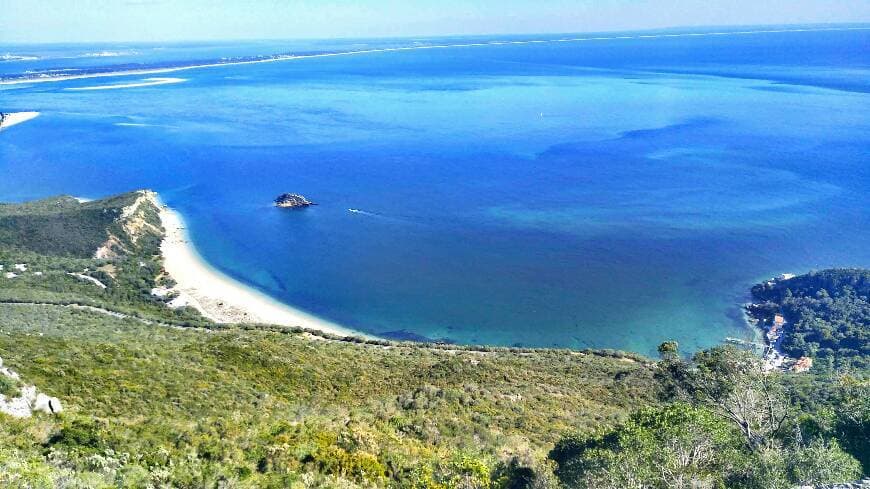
[(219, 297), (17, 118)]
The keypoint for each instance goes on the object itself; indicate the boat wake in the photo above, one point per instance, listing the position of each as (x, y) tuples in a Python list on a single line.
[(384, 218)]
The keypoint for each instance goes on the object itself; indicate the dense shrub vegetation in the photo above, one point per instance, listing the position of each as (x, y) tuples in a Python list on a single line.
[(726, 423), (828, 314), (261, 408), (60, 226), (161, 398)]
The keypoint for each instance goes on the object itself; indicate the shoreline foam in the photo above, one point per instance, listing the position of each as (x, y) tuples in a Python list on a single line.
[(13, 118), (219, 297)]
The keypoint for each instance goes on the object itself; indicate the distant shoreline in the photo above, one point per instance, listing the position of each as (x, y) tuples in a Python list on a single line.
[(289, 57), (10, 119), (221, 298)]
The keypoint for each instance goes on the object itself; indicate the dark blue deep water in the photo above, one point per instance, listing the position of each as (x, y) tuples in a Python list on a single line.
[(608, 193)]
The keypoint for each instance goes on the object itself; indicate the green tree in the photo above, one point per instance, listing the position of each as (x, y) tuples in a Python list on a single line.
[(852, 421), (823, 463), (669, 349), (672, 447), (735, 386)]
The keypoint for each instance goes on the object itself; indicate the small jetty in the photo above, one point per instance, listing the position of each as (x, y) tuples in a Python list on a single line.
[(738, 341)]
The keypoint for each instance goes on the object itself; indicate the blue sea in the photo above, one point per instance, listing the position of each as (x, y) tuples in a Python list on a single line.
[(605, 191)]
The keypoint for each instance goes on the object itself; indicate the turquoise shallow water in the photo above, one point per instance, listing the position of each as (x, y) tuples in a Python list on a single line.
[(610, 193)]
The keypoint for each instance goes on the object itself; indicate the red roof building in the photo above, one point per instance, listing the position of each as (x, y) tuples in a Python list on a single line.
[(802, 365)]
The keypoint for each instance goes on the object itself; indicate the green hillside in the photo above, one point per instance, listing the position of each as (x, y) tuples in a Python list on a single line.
[(157, 397), (266, 406), (61, 226)]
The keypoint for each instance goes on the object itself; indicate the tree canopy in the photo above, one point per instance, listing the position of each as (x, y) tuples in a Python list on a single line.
[(828, 314)]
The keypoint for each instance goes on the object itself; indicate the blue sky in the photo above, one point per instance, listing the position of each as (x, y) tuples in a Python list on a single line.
[(168, 20)]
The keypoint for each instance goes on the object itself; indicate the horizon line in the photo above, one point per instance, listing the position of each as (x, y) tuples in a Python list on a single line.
[(808, 26)]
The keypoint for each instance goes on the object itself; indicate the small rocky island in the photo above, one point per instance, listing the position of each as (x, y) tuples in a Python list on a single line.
[(292, 201)]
